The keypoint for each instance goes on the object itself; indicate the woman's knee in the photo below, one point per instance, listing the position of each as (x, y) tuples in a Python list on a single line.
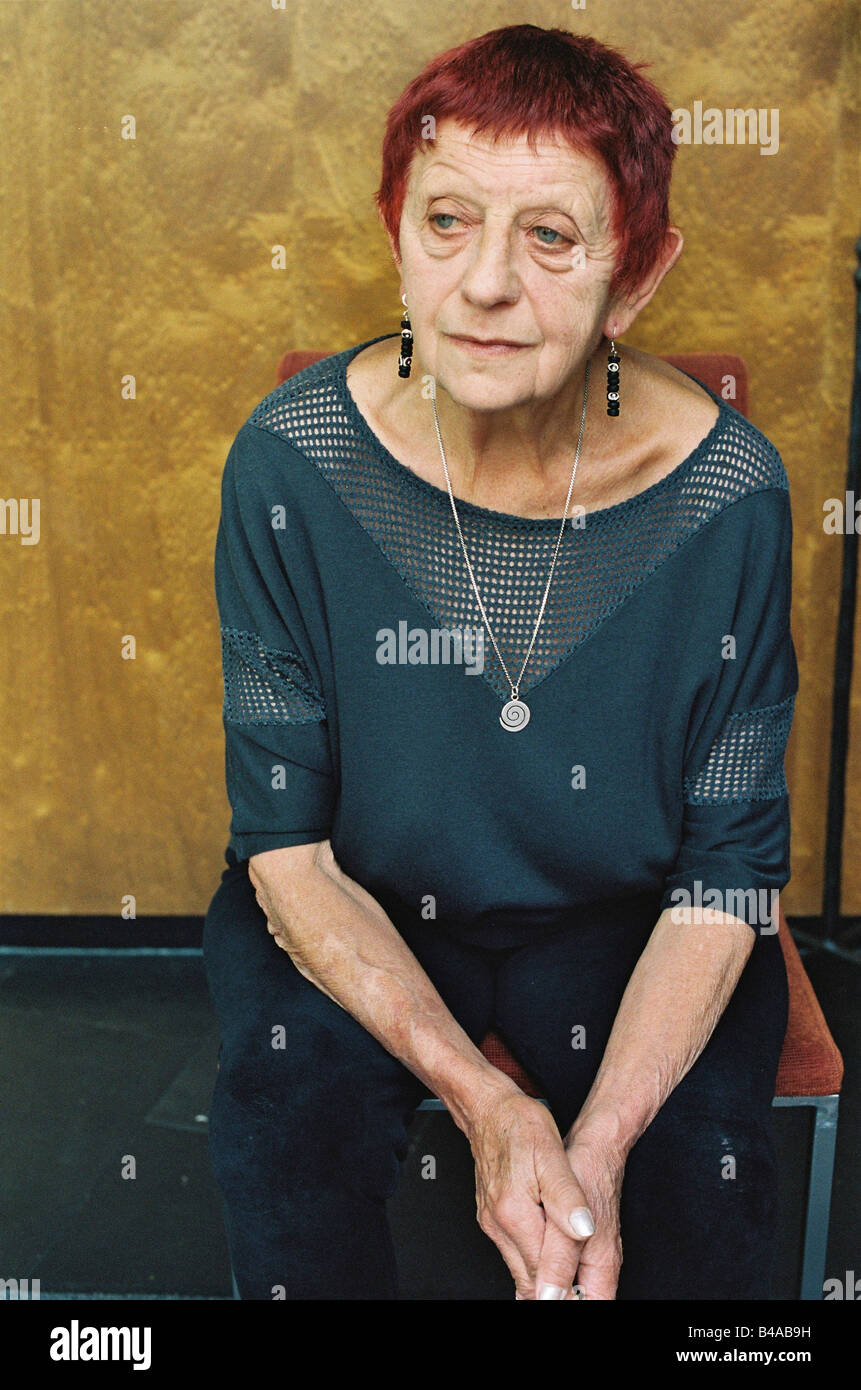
[(698, 1206), (303, 1089), (306, 1102)]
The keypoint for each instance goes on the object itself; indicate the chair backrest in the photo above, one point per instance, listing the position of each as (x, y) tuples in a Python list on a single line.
[(722, 372)]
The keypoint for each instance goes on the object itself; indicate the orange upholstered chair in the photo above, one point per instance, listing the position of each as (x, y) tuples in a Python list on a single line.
[(811, 1067)]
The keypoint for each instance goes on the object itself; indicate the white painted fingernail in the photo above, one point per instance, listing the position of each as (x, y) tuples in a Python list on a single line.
[(551, 1291), (581, 1222)]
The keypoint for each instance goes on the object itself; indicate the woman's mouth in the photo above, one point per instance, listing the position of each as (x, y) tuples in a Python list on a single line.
[(489, 347)]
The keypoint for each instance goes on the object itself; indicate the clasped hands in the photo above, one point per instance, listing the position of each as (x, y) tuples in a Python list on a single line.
[(551, 1206)]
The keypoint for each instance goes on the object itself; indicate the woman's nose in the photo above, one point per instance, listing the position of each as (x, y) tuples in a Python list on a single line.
[(491, 275)]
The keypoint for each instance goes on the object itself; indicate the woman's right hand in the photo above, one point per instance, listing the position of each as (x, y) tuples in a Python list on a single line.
[(526, 1195)]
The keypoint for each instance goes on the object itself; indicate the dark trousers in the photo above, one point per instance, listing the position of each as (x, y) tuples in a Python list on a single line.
[(309, 1116)]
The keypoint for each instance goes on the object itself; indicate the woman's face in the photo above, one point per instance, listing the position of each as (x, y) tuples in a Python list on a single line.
[(499, 243)]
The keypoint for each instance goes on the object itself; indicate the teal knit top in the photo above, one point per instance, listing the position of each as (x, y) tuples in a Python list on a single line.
[(362, 695)]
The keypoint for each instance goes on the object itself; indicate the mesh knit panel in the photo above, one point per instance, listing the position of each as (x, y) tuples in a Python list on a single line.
[(600, 563), (746, 761), (263, 685)]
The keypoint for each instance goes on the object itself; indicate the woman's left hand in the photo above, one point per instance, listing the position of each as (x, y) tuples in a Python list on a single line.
[(599, 1170)]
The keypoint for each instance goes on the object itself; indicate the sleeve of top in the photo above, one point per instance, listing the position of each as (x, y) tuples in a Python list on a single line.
[(734, 849), (278, 765)]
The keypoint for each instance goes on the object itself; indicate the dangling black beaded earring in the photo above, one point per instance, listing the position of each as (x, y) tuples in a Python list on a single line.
[(406, 354), (613, 379)]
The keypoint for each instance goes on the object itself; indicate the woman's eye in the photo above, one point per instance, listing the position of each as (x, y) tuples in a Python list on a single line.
[(434, 215), (552, 232)]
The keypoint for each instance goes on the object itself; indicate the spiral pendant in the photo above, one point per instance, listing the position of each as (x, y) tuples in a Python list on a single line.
[(514, 715)]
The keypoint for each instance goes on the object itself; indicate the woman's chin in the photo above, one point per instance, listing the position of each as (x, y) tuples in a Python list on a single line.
[(482, 395)]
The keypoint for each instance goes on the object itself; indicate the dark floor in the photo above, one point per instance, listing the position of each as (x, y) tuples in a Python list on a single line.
[(108, 1063)]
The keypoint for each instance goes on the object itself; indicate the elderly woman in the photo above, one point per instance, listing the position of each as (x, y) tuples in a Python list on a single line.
[(508, 680)]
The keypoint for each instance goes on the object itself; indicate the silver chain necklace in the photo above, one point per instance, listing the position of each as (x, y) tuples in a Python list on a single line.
[(515, 713)]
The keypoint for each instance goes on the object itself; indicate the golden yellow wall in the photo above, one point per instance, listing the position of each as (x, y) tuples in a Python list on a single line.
[(151, 257)]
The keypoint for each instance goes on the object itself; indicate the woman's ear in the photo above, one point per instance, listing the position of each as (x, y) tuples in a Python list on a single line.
[(673, 248), (396, 255), (623, 311)]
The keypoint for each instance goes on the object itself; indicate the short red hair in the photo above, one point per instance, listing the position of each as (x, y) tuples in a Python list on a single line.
[(523, 80)]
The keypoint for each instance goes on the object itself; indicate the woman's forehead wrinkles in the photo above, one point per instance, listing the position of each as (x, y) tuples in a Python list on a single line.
[(579, 188), (556, 161)]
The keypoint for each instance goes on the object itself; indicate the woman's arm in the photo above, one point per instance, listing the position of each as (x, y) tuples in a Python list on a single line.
[(340, 938), (678, 990), (676, 994)]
